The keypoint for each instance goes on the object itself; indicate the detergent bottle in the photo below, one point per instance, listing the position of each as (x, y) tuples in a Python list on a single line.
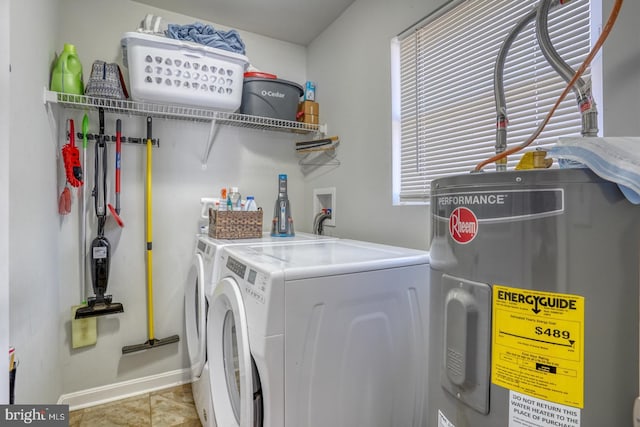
[(67, 72), (250, 205), (236, 199)]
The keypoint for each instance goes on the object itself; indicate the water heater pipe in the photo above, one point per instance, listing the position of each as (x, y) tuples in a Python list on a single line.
[(615, 10), (582, 90), (498, 86)]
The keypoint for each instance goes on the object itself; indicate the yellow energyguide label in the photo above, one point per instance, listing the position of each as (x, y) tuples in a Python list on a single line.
[(538, 344)]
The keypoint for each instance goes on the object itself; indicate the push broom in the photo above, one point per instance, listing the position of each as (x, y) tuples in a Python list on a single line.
[(152, 342)]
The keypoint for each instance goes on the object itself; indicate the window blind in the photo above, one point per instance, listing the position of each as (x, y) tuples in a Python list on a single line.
[(445, 87)]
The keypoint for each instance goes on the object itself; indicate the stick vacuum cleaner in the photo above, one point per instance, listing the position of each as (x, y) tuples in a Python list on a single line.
[(100, 304)]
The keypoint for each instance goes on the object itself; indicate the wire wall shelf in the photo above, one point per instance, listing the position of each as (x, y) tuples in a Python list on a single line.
[(179, 112)]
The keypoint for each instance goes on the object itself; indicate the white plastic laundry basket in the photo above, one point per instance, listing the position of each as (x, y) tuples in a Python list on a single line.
[(178, 72)]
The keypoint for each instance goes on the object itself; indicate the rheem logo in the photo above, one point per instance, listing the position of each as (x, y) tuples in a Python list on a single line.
[(463, 225)]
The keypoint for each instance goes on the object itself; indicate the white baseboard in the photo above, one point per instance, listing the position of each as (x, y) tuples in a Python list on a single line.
[(105, 394)]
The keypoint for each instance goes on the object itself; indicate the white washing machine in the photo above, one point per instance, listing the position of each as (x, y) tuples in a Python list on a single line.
[(201, 279), (316, 335)]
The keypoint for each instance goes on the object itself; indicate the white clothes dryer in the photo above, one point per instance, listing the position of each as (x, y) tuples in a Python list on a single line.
[(195, 309), (316, 335), (201, 280)]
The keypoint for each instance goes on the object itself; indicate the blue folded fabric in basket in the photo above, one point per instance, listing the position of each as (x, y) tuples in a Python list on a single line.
[(208, 36), (616, 159)]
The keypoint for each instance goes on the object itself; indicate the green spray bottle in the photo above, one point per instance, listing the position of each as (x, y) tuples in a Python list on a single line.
[(67, 72)]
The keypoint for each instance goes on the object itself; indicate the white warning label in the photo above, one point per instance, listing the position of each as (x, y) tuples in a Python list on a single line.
[(527, 411)]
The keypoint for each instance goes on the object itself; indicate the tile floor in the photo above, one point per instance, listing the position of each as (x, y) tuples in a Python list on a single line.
[(164, 408)]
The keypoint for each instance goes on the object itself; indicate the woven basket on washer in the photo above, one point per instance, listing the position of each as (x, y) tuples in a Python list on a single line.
[(235, 224)]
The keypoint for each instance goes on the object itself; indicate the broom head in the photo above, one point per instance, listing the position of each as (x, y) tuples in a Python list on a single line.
[(71, 157)]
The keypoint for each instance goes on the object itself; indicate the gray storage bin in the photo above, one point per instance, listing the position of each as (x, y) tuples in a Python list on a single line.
[(272, 98)]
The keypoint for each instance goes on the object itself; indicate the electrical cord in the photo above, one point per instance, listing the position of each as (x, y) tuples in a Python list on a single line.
[(596, 47)]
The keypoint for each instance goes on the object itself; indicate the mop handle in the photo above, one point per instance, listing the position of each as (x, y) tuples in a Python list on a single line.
[(149, 235), (100, 186)]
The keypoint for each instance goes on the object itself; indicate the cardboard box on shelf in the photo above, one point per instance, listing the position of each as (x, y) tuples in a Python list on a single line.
[(312, 119), (309, 107)]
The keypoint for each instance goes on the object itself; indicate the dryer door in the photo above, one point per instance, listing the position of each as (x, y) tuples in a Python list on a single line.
[(229, 357), (195, 316)]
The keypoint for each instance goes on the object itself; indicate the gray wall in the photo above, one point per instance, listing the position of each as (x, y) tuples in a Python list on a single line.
[(621, 72), (34, 234), (351, 64)]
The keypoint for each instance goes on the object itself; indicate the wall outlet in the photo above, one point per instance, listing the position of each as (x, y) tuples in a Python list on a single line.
[(325, 198)]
